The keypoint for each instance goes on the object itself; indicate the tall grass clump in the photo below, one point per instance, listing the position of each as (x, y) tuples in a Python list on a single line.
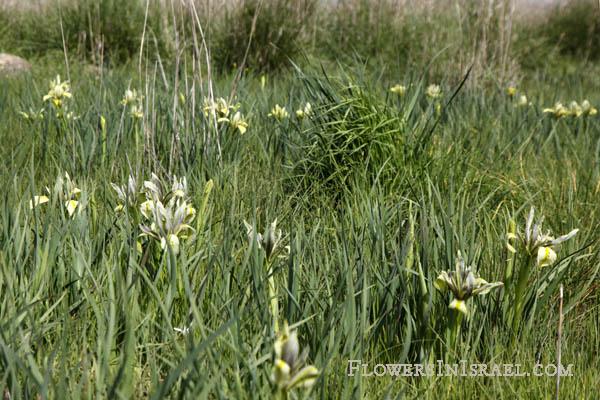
[(271, 32), (367, 29), (350, 132), (398, 38), (108, 30), (572, 28)]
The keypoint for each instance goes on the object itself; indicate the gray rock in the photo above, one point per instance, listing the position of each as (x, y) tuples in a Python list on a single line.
[(13, 65)]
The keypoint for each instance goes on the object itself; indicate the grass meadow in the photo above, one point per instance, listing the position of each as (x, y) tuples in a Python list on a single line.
[(234, 201)]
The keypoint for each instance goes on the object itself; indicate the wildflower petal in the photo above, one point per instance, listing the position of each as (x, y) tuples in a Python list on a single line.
[(564, 238), (290, 349), (281, 373), (149, 232), (442, 281), (398, 89), (120, 193), (305, 377), (147, 208), (510, 236), (528, 226), (71, 206), (38, 200), (545, 256), (486, 287), (173, 241), (460, 306)]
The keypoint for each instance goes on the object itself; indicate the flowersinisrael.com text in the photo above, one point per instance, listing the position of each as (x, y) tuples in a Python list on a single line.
[(357, 367)]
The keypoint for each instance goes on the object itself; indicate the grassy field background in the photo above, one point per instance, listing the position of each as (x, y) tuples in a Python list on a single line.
[(376, 192)]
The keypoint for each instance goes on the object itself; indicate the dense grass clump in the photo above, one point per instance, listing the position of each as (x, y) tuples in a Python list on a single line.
[(350, 133), (265, 34), (574, 29), (107, 31)]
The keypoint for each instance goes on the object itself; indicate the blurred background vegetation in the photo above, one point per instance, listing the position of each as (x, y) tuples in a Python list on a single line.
[(507, 41)]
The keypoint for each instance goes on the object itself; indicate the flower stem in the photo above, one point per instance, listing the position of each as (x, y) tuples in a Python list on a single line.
[(137, 144), (508, 271), (273, 299), (521, 285), (453, 332), (457, 320)]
